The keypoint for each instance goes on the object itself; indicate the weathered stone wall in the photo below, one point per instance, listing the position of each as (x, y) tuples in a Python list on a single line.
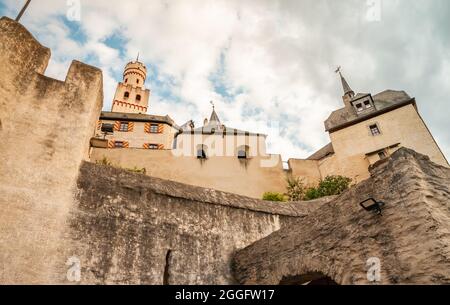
[(45, 127), (411, 238), (130, 228)]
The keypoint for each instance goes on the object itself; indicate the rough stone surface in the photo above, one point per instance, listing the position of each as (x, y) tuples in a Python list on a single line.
[(45, 129), (127, 223), (411, 238)]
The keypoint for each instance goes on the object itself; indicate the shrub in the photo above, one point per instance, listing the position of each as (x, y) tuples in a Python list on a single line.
[(271, 196), (295, 188), (104, 161), (333, 185), (311, 194), (137, 170)]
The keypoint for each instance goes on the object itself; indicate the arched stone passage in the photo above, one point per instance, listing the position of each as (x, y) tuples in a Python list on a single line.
[(312, 278), (341, 239)]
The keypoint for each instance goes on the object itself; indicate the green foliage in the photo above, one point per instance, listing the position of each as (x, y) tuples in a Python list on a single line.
[(311, 194), (331, 185), (104, 161), (137, 170), (295, 188), (107, 162), (271, 196)]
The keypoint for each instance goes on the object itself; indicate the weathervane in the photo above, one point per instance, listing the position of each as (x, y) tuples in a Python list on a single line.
[(212, 103), (22, 10)]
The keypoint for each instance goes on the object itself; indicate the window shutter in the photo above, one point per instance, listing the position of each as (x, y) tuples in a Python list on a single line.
[(145, 146), (147, 127), (160, 146), (111, 144), (160, 128), (130, 126), (117, 126), (99, 125), (126, 144)]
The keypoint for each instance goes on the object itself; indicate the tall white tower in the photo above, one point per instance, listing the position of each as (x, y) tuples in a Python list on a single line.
[(131, 95)]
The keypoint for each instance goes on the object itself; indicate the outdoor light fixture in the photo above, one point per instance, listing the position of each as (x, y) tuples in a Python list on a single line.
[(107, 129), (371, 205)]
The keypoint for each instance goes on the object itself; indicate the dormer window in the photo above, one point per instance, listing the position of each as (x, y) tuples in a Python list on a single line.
[(374, 130), (126, 95), (364, 104)]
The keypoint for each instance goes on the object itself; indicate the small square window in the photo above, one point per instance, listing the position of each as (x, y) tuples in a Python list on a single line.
[(382, 155), (201, 154), (123, 126), (374, 130), (359, 107), (242, 154), (367, 105), (152, 146), (154, 128), (118, 144)]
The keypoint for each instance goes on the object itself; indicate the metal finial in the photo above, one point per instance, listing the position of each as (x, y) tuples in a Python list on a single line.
[(212, 103), (338, 70), (137, 58), (22, 10)]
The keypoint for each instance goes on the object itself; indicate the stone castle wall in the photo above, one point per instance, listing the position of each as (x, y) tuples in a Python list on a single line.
[(131, 228), (229, 174), (45, 127)]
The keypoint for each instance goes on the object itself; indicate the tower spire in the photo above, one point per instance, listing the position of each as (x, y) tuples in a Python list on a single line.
[(348, 92), (214, 117)]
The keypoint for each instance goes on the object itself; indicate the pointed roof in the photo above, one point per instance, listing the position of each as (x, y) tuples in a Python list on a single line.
[(214, 119), (345, 85)]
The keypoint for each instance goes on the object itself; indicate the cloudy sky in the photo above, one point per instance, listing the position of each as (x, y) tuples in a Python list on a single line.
[(264, 63)]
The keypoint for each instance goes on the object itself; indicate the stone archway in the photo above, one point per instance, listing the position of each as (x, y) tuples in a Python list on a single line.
[(312, 278)]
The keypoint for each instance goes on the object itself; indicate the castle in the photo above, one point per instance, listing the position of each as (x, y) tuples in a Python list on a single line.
[(67, 220), (366, 130)]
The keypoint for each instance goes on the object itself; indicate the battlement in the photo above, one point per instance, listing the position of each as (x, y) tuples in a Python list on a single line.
[(46, 125)]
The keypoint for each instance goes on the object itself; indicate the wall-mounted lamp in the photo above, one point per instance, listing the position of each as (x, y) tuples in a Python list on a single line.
[(107, 129), (372, 205)]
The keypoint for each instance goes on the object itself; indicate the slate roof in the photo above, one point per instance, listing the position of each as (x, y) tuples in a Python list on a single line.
[(137, 117), (384, 101), (322, 153), (214, 126)]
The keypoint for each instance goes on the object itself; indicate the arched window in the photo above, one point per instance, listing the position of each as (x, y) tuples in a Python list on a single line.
[(137, 81), (126, 95), (126, 80), (201, 152), (138, 98), (243, 152)]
